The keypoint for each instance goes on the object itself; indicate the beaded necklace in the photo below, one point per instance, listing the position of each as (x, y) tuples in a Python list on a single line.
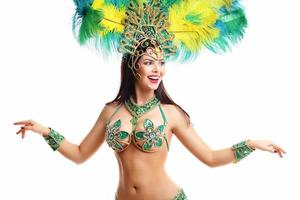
[(137, 111)]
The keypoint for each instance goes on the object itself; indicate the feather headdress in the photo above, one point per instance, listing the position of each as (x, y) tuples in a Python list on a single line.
[(182, 27)]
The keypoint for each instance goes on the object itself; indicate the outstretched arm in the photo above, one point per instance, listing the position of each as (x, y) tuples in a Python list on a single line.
[(224, 156), (89, 145), (212, 158), (74, 152)]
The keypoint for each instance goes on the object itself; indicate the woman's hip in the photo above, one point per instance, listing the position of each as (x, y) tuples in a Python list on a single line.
[(179, 196)]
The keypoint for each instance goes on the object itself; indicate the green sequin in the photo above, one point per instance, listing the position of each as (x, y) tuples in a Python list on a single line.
[(137, 110), (139, 135), (180, 195), (118, 146), (54, 139), (158, 142), (147, 146), (148, 124), (115, 138), (146, 140), (161, 128), (241, 150), (134, 121), (123, 135), (117, 124), (151, 137)]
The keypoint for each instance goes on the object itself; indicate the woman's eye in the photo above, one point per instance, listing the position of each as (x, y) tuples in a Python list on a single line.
[(150, 63)]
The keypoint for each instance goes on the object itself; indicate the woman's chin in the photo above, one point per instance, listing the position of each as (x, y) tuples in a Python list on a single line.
[(153, 86)]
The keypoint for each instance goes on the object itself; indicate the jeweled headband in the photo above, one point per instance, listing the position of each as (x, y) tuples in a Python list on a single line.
[(147, 46)]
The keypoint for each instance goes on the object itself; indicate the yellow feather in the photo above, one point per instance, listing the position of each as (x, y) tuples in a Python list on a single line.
[(217, 3), (113, 18), (98, 4), (195, 34)]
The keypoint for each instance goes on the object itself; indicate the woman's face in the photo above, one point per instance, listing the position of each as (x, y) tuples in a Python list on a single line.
[(152, 70)]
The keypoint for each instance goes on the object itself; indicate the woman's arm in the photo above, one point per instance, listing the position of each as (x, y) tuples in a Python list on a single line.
[(74, 152), (89, 145), (212, 158)]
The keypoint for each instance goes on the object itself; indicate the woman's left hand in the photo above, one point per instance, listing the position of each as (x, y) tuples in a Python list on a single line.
[(266, 145)]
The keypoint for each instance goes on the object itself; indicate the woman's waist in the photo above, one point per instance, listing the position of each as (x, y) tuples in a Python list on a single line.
[(146, 187), (143, 177)]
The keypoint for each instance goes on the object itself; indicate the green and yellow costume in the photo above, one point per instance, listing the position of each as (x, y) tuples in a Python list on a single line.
[(179, 29)]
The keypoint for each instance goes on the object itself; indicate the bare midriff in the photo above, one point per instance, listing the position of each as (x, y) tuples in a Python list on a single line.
[(143, 175)]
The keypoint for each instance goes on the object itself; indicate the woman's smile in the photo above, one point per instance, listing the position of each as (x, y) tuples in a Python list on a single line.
[(154, 79)]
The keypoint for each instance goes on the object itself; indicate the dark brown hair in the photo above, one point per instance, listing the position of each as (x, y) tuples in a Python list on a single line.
[(127, 88)]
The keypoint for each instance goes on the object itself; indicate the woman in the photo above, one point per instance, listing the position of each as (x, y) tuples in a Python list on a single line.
[(139, 124), (134, 160)]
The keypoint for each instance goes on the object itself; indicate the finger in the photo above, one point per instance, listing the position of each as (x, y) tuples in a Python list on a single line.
[(278, 147), (272, 150), (23, 134), (28, 128), (24, 129), (278, 152), (19, 131), (26, 122), (21, 122)]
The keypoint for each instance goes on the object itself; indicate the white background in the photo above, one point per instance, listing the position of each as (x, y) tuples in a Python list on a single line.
[(250, 92)]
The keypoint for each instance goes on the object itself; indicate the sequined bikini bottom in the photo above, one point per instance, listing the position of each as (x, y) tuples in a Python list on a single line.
[(179, 196)]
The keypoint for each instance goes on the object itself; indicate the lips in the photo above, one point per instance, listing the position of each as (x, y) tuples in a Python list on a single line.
[(153, 79)]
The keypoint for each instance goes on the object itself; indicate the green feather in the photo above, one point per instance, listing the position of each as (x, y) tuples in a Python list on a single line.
[(232, 28), (235, 24), (194, 18), (108, 44), (90, 27)]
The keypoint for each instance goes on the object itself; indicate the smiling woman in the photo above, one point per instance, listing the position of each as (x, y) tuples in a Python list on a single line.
[(150, 63), (151, 67), (139, 123)]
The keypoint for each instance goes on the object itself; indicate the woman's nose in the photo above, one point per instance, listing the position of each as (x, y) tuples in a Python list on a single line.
[(156, 67)]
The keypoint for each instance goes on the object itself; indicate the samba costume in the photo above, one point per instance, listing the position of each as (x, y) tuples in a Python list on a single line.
[(179, 29), (149, 140)]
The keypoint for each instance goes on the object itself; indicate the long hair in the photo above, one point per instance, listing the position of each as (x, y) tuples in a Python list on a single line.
[(127, 88)]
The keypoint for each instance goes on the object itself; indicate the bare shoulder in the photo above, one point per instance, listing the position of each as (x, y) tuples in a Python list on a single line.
[(108, 109), (173, 111), (176, 116), (111, 106)]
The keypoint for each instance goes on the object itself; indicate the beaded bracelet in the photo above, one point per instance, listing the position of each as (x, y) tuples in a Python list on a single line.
[(54, 139), (241, 150)]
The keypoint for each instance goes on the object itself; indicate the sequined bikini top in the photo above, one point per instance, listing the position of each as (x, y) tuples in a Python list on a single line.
[(150, 139)]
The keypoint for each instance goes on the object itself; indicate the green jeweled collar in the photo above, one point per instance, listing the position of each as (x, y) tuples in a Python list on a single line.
[(137, 110)]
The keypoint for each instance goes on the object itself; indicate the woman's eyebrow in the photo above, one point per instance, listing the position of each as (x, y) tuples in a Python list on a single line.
[(153, 59)]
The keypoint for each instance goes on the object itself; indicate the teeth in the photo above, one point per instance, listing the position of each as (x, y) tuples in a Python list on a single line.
[(153, 77)]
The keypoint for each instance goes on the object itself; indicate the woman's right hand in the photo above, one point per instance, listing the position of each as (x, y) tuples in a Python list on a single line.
[(32, 126)]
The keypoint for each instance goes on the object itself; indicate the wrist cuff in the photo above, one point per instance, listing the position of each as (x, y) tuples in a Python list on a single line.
[(241, 150), (54, 139)]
